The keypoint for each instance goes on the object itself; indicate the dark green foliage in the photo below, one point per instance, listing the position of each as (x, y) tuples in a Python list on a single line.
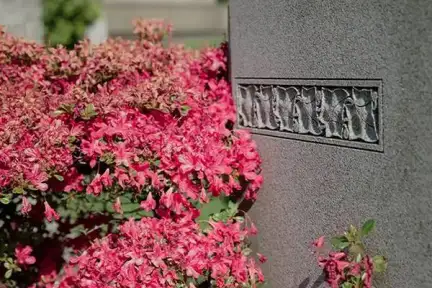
[(66, 21)]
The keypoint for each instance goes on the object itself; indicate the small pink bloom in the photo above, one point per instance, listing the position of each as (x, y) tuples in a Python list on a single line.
[(117, 206), (319, 242), (26, 206), (95, 186), (262, 258), (149, 204), (368, 264), (50, 212), (106, 178), (355, 270), (203, 196), (23, 255), (253, 230)]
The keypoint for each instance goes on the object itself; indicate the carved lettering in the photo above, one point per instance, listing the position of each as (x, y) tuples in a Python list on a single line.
[(347, 113)]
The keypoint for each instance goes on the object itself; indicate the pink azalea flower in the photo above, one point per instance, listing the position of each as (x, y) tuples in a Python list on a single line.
[(262, 258), (368, 264), (23, 255), (26, 206), (319, 242), (149, 204), (117, 206), (50, 213)]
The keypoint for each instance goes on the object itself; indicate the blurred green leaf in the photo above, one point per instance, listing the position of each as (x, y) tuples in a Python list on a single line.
[(59, 177), (5, 200), (8, 274), (368, 226), (247, 251), (339, 242), (18, 190), (65, 21), (347, 285), (89, 112), (379, 263), (184, 110), (215, 205), (61, 33), (357, 249)]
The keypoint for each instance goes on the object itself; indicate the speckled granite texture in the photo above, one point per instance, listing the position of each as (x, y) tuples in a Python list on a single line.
[(314, 188), (22, 18)]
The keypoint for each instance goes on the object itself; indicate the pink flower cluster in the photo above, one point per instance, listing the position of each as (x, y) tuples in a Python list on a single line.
[(339, 268), (162, 253), (23, 255), (129, 116)]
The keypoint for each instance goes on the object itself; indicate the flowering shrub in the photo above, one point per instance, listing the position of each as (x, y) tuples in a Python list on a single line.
[(93, 136), (350, 266), (163, 253)]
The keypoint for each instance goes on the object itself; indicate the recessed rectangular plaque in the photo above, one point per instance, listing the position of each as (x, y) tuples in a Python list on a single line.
[(338, 112)]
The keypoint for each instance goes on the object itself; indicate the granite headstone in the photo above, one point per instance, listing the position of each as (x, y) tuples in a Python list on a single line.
[(22, 18), (338, 97)]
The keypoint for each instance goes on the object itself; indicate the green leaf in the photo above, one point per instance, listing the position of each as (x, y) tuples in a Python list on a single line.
[(18, 190), (61, 33), (379, 263), (8, 274), (89, 112), (368, 226), (339, 242), (5, 200), (59, 177), (184, 110), (232, 205), (347, 285), (352, 234), (358, 258), (217, 217), (357, 249), (239, 219), (247, 251), (57, 113), (31, 187), (214, 206)]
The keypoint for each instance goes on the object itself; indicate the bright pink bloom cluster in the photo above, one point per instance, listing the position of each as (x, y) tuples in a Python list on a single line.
[(139, 117), (163, 253), (126, 114), (23, 255), (340, 269)]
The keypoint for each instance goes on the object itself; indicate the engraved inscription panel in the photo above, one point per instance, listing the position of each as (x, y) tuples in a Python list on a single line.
[(347, 113)]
